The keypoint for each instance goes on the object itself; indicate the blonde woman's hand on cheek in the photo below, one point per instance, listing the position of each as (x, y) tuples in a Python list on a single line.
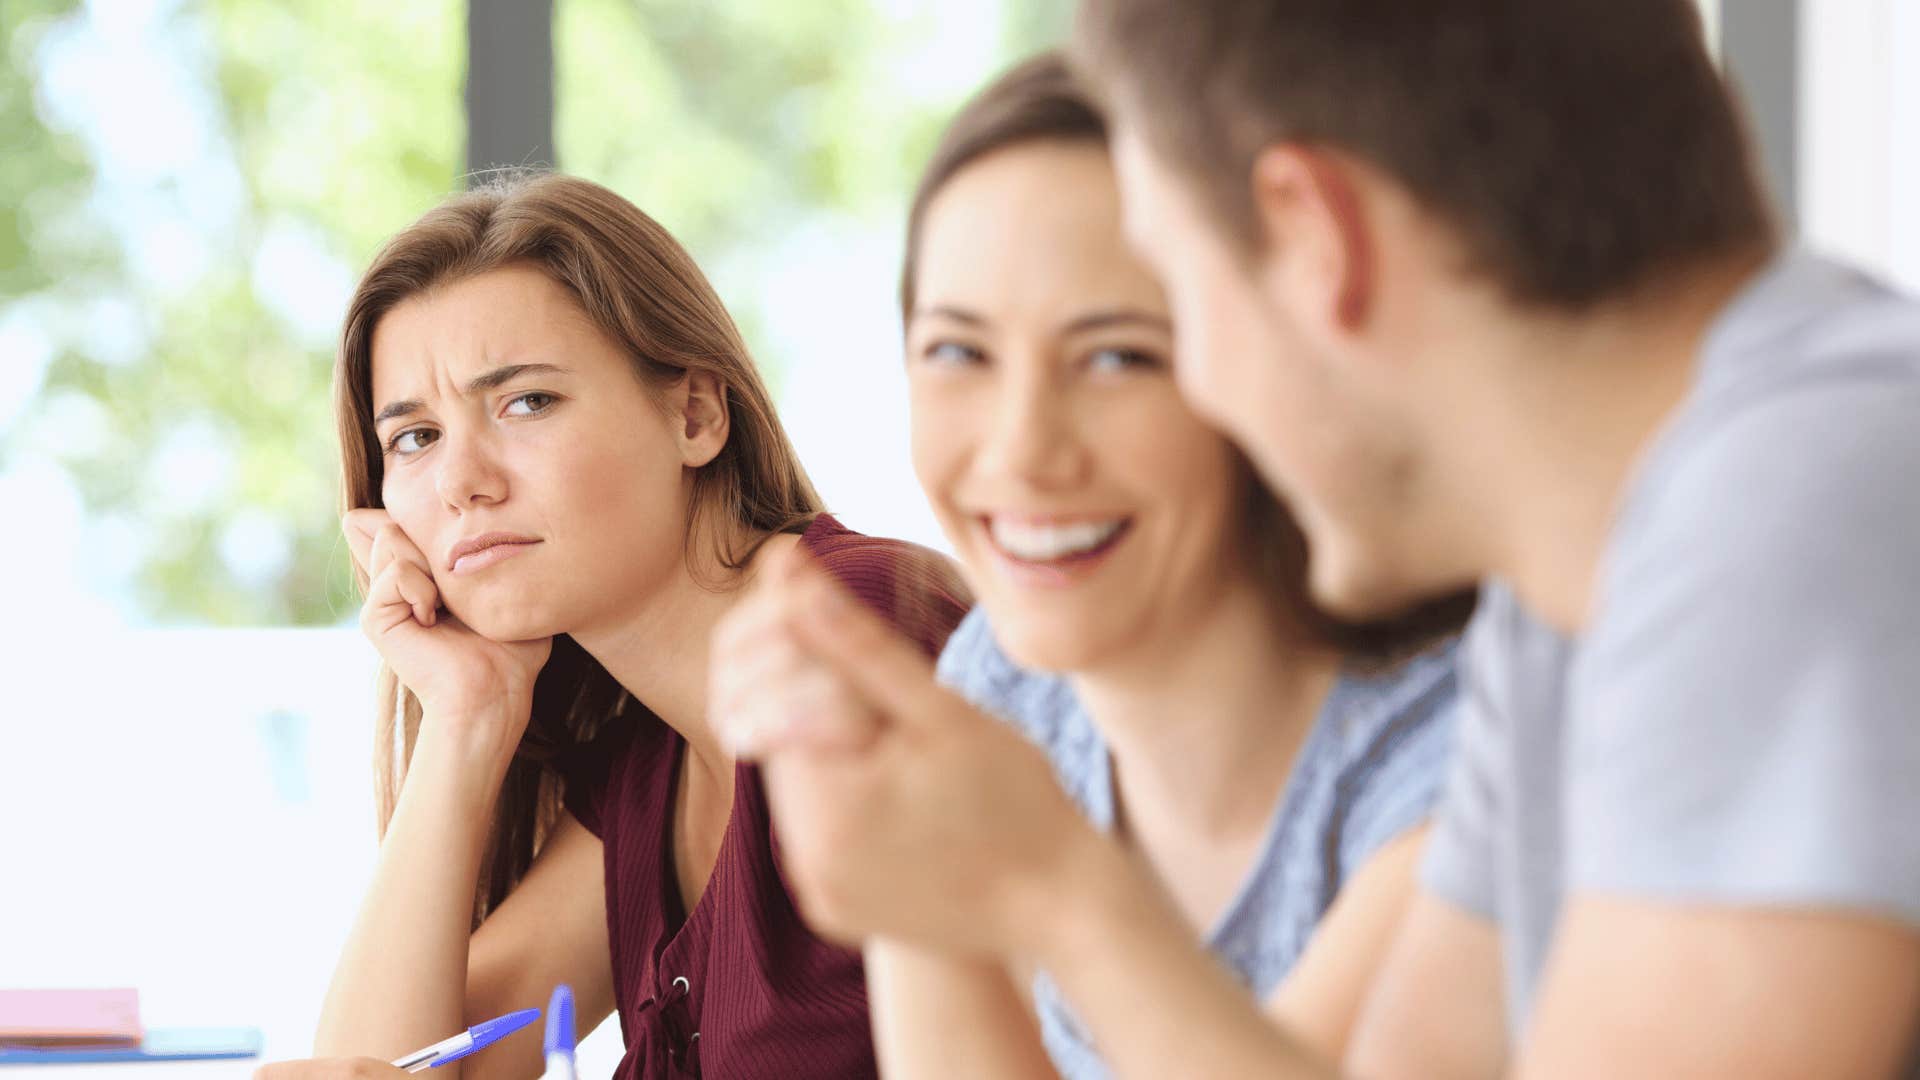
[(458, 675), (908, 814)]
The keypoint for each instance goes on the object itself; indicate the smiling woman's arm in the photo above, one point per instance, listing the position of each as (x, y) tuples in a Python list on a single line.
[(1320, 999)]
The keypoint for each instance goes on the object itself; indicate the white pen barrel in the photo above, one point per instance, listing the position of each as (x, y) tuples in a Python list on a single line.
[(559, 1066)]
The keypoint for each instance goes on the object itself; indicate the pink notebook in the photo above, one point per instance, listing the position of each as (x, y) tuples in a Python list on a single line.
[(69, 1018)]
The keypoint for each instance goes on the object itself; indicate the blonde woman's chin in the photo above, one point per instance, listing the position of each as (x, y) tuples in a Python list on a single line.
[(508, 623)]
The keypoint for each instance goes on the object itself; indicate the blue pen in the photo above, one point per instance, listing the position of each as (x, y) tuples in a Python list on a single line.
[(473, 1040), (559, 1045)]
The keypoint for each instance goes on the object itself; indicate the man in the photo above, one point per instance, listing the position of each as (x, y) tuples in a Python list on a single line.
[(1488, 291)]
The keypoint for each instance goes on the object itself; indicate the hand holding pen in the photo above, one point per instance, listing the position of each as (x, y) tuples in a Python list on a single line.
[(470, 1041)]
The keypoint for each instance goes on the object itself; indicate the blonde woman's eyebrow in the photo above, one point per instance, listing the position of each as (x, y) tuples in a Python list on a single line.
[(488, 380), (500, 376)]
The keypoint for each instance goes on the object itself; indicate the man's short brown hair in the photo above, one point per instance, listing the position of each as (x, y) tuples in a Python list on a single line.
[(1577, 147)]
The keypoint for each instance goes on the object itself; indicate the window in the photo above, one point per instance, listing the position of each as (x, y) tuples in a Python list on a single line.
[(189, 190)]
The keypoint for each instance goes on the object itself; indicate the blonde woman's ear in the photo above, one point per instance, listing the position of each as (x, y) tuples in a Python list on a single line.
[(702, 400)]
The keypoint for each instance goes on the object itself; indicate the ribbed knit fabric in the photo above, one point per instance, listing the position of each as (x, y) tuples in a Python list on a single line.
[(739, 987)]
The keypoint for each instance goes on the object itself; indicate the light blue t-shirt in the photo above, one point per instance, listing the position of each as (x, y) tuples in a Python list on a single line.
[(1739, 724), (1369, 770)]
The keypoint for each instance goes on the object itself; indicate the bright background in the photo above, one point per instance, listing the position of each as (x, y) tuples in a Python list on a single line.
[(187, 190)]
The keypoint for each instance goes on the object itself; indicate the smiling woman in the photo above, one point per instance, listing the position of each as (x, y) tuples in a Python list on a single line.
[(560, 465), (1144, 618)]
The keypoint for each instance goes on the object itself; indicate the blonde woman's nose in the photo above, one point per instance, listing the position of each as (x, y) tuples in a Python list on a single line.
[(468, 475)]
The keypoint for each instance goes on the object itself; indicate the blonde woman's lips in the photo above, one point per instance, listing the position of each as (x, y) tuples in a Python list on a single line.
[(480, 552)]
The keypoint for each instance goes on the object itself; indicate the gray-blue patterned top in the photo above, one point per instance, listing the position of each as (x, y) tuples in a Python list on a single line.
[(1370, 769)]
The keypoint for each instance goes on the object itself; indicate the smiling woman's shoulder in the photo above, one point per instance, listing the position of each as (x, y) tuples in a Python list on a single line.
[(915, 588)]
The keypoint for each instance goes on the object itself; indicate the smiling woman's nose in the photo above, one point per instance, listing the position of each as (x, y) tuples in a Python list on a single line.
[(1033, 436), (467, 475)]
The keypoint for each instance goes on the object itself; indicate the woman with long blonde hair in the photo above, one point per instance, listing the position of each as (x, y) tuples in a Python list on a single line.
[(560, 466)]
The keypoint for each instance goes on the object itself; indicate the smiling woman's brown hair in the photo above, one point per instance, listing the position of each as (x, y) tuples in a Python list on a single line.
[(1041, 100), (642, 290)]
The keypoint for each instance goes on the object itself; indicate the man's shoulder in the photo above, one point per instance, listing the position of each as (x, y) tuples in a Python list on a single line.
[(1814, 479), (1745, 691), (1797, 451)]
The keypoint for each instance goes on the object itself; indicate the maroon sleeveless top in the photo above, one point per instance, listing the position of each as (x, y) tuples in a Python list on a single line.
[(738, 987)]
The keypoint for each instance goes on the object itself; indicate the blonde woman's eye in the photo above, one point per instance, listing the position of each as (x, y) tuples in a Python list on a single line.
[(535, 403), (400, 444)]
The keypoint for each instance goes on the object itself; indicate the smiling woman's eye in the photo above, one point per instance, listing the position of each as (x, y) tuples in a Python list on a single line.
[(536, 402), (1118, 359), (951, 353), (399, 445)]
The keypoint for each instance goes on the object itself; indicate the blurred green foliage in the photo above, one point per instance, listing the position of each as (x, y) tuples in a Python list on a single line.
[(43, 174), (342, 120)]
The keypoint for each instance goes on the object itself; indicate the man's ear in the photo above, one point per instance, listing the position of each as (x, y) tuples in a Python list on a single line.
[(700, 413), (1318, 249)]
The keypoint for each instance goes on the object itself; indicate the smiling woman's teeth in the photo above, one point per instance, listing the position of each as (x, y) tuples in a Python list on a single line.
[(1045, 543)]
